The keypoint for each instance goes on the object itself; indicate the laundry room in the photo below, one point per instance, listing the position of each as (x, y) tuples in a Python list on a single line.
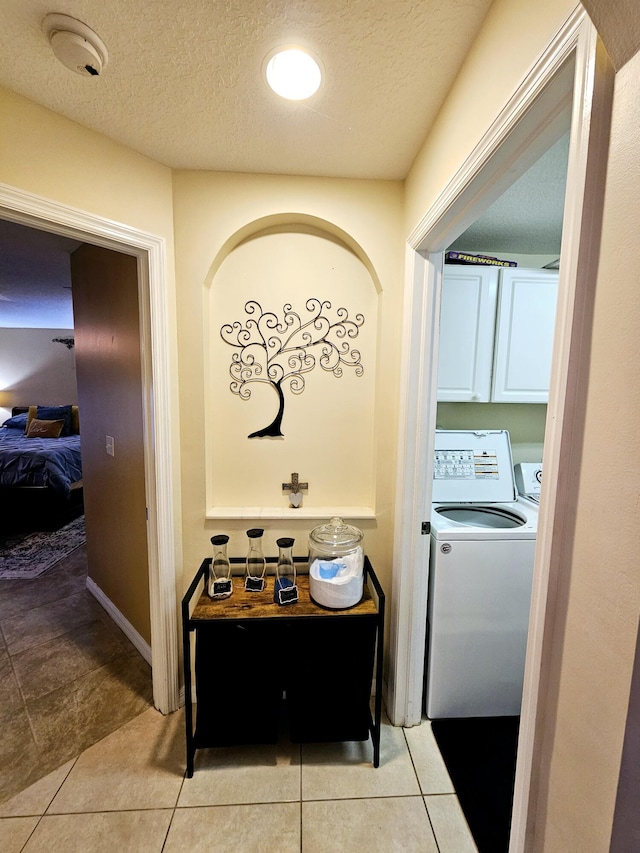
[(497, 321), (497, 315)]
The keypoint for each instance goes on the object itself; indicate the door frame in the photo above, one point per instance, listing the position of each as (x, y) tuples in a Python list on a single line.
[(572, 76), (46, 215)]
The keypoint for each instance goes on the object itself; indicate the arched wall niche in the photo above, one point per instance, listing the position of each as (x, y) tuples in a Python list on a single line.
[(292, 222), (318, 422)]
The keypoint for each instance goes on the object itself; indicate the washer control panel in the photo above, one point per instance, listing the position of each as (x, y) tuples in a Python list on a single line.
[(465, 465), (473, 466)]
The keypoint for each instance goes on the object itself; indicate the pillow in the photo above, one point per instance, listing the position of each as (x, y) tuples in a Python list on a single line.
[(44, 429), (52, 413), (17, 422)]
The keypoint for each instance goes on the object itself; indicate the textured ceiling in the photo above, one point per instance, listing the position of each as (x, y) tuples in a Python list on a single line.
[(618, 25), (184, 86), (527, 218)]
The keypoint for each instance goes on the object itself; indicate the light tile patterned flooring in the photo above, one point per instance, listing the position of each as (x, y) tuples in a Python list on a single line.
[(127, 790), (128, 793)]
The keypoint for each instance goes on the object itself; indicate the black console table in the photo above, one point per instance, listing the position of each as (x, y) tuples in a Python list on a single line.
[(249, 652)]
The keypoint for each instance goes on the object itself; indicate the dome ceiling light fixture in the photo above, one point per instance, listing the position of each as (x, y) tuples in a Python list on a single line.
[(75, 45), (292, 73)]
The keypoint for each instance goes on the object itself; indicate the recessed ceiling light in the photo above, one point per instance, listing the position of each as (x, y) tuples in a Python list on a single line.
[(293, 73)]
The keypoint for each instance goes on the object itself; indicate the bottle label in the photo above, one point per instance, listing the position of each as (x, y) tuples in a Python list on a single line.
[(288, 595), (222, 589), (253, 584)]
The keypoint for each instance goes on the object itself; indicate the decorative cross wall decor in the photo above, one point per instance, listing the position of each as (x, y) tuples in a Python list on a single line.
[(294, 488)]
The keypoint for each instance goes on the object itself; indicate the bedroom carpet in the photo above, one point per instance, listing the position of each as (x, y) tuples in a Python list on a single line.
[(26, 557), (480, 755)]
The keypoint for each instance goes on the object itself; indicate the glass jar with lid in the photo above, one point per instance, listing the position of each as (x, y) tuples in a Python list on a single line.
[(336, 564)]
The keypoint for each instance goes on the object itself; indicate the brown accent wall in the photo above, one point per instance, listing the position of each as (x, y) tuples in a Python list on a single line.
[(109, 374)]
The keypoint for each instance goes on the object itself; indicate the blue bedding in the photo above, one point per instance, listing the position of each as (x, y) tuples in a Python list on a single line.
[(51, 462)]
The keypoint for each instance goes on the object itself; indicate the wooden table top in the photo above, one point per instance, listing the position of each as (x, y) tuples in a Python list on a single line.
[(247, 605)]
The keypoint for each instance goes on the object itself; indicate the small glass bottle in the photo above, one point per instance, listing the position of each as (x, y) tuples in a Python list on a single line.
[(220, 581), (256, 563), (285, 590)]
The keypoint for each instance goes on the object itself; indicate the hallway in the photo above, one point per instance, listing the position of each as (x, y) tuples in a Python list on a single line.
[(87, 764), (128, 792)]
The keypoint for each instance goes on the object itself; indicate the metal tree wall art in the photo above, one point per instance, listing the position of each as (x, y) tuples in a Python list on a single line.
[(278, 352)]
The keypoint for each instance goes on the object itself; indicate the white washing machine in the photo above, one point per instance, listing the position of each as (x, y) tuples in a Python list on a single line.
[(483, 541)]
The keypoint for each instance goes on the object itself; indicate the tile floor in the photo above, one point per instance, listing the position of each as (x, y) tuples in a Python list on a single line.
[(68, 675), (86, 764), (128, 792)]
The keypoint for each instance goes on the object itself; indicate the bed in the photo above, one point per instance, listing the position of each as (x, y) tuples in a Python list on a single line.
[(40, 475)]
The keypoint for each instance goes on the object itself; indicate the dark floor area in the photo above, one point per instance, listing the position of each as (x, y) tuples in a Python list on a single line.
[(31, 510), (68, 675), (480, 755)]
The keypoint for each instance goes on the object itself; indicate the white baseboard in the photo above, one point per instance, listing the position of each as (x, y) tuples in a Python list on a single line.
[(125, 626)]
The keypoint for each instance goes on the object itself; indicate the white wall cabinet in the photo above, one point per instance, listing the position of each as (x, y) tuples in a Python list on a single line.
[(496, 334), (524, 336), (467, 327)]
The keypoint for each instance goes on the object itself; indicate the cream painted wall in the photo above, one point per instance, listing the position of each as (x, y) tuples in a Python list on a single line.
[(596, 654), (35, 370), (46, 154), (513, 35), (209, 210), (328, 426)]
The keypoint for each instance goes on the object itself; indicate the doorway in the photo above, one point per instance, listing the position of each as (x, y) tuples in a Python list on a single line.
[(567, 78), (149, 251), (496, 335)]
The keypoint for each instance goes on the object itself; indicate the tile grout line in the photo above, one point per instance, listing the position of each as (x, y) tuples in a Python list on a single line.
[(413, 764), (422, 794), (44, 812), (20, 692), (173, 812)]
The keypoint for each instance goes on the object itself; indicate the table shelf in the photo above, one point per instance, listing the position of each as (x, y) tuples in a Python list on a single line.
[(325, 662)]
